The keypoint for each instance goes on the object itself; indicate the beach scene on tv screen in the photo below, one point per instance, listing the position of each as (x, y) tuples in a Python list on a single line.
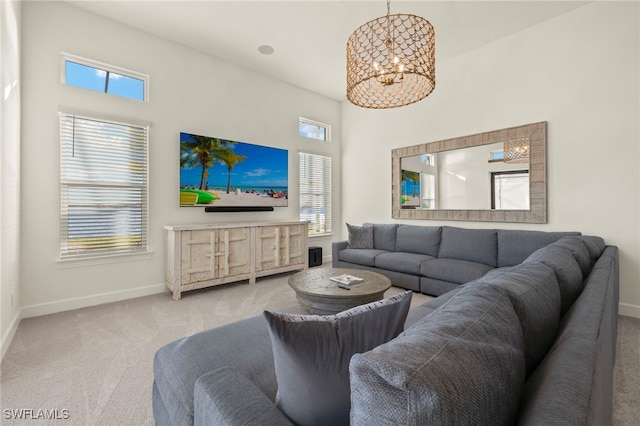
[(221, 172)]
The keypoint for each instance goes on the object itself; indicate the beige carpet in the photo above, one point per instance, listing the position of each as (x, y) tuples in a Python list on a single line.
[(97, 362)]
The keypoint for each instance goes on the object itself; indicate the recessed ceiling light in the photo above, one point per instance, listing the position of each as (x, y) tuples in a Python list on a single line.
[(265, 49)]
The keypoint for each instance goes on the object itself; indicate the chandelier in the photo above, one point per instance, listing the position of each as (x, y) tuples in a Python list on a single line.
[(391, 61), (516, 151)]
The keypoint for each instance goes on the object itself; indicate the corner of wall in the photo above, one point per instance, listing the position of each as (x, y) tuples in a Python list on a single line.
[(8, 336)]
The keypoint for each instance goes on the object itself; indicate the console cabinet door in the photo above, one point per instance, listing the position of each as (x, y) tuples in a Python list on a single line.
[(280, 246), (297, 245), (198, 262), (234, 252), (211, 254)]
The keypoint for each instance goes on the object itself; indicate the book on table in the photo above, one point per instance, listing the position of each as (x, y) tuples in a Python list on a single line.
[(346, 279)]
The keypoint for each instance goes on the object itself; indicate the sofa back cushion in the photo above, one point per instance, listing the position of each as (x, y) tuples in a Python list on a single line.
[(514, 246), (475, 245), (578, 250), (567, 270), (462, 364), (595, 246), (384, 235), (535, 296), (418, 239), (312, 352)]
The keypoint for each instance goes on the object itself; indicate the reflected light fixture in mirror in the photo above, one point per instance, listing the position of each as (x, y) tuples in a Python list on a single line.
[(457, 188)]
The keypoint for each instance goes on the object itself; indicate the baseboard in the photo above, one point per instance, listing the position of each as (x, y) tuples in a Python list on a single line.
[(83, 302), (629, 310), (8, 336)]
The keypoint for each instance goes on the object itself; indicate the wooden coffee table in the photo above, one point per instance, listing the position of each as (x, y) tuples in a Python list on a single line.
[(320, 296)]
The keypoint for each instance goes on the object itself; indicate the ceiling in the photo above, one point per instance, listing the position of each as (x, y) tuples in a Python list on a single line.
[(309, 37)]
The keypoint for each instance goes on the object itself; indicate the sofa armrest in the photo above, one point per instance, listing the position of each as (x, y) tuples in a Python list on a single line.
[(336, 247), (226, 397)]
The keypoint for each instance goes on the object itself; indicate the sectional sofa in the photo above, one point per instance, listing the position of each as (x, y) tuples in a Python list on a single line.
[(529, 342), (435, 259)]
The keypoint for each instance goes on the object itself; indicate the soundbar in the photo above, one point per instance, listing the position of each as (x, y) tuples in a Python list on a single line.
[(228, 209)]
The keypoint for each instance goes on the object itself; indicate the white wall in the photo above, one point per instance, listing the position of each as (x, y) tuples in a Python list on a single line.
[(580, 73), (10, 27), (189, 92)]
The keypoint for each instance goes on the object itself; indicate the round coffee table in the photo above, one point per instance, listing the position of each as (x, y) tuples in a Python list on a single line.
[(320, 296)]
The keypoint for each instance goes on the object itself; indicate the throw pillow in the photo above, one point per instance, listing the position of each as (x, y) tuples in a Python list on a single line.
[(312, 353), (359, 237)]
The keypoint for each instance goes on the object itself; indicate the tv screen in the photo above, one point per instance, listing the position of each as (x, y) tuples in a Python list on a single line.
[(225, 173)]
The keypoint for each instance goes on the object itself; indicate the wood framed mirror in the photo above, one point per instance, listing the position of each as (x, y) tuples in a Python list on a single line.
[(497, 176)]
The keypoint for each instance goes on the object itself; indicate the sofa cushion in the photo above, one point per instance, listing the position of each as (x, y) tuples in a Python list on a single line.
[(418, 239), (312, 353), (515, 245), (595, 246), (462, 364), (579, 250), (384, 235), (177, 365), (475, 245), (359, 237), (568, 273), (453, 270), (225, 396), (409, 263), (360, 256), (535, 296)]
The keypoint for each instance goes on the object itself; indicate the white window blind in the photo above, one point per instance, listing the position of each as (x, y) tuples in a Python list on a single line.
[(315, 192), (103, 177)]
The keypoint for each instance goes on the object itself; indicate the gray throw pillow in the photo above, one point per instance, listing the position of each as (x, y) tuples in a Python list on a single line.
[(312, 353), (359, 237)]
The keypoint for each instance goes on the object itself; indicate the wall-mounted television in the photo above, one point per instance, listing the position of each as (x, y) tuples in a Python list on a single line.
[(216, 172)]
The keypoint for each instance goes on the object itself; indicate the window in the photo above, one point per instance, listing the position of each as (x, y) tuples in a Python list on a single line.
[(428, 159), (496, 156), (315, 192), (314, 130), (510, 190), (93, 75), (103, 187)]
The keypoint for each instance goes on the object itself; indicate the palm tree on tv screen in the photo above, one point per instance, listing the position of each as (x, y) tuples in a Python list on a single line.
[(413, 177), (230, 159), (203, 151)]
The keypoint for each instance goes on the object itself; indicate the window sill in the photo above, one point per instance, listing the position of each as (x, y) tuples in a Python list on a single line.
[(329, 234), (103, 260)]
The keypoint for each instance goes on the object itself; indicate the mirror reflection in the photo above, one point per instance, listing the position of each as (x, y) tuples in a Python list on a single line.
[(492, 176), (496, 176)]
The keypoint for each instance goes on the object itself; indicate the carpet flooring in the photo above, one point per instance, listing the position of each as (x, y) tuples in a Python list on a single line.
[(93, 366)]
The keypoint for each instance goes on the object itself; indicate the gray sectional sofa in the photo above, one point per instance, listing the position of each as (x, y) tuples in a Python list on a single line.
[(529, 342), (435, 259)]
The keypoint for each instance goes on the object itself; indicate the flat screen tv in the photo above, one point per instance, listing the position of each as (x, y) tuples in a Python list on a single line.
[(216, 172)]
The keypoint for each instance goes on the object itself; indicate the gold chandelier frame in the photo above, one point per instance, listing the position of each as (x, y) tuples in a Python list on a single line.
[(391, 61)]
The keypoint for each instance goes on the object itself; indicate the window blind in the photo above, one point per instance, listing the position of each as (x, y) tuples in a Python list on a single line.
[(103, 180), (315, 192)]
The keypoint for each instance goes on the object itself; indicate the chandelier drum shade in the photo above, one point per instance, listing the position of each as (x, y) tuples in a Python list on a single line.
[(391, 61)]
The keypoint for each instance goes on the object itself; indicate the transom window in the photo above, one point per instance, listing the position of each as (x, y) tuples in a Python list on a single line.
[(93, 75), (314, 129), (103, 186)]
